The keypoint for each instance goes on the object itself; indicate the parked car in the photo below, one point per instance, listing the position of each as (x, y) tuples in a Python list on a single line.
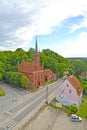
[(76, 118)]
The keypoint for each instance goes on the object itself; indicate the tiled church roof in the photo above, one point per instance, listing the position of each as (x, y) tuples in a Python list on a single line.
[(25, 67)]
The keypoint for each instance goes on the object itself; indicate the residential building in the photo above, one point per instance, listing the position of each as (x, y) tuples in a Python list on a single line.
[(70, 92)]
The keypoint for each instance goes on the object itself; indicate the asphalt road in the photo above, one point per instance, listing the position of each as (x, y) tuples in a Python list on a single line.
[(25, 108), (14, 96)]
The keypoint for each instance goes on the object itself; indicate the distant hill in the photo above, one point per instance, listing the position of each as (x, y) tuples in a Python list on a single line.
[(83, 59), (78, 58)]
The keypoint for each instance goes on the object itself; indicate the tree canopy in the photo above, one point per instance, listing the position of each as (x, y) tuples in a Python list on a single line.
[(9, 61)]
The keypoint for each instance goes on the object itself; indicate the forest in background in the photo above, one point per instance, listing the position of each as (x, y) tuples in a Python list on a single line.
[(9, 61)]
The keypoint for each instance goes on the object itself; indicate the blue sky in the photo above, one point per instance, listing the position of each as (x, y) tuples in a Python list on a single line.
[(60, 25)]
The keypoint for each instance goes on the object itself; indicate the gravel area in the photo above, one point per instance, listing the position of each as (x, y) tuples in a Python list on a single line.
[(51, 119)]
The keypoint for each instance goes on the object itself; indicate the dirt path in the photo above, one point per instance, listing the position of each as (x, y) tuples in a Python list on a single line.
[(51, 119)]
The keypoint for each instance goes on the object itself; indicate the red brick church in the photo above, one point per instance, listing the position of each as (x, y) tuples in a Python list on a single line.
[(35, 71)]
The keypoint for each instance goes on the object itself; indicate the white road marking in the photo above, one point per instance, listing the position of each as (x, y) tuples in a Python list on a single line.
[(10, 125)]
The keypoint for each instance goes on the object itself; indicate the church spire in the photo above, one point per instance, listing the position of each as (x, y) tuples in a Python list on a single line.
[(36, 55), (36, 46)]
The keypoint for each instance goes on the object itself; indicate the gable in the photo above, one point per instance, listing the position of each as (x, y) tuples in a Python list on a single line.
[(75, 83)]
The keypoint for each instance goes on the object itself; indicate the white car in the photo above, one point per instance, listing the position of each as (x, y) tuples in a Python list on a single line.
[(76, 118)]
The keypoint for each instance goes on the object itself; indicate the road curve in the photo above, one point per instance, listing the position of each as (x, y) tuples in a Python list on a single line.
[(30, 104)]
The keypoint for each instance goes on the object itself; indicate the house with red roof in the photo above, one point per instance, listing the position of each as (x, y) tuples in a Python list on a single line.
[(36, 72), (70, 92)]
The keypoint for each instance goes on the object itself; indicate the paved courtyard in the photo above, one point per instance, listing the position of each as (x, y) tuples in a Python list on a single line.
[(51, 119)]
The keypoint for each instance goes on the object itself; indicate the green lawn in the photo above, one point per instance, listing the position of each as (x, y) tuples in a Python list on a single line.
[(2, 93), (50, 82), (34, 90), (83, 110)]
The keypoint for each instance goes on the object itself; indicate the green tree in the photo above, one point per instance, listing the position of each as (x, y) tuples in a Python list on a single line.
[(21, 55), (0, 77), (52, 59), (71, 69), (79, 67), (60, 69), (84, 85), (13, 78), (18, 79), (30, 54), (2, 70), (25, 83)]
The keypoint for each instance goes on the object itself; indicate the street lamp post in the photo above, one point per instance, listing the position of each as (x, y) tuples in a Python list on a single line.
[(13, 102), (2, 108), (47, 94)]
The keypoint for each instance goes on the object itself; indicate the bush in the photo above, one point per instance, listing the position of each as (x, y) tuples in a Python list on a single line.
[(2, 93), (71, 109)]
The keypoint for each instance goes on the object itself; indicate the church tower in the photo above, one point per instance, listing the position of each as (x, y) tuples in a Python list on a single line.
[(36, 55)]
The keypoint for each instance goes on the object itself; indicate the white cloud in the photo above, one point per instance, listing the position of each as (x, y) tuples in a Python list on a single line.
[(23, 19), (75, 48), (78, 26)]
